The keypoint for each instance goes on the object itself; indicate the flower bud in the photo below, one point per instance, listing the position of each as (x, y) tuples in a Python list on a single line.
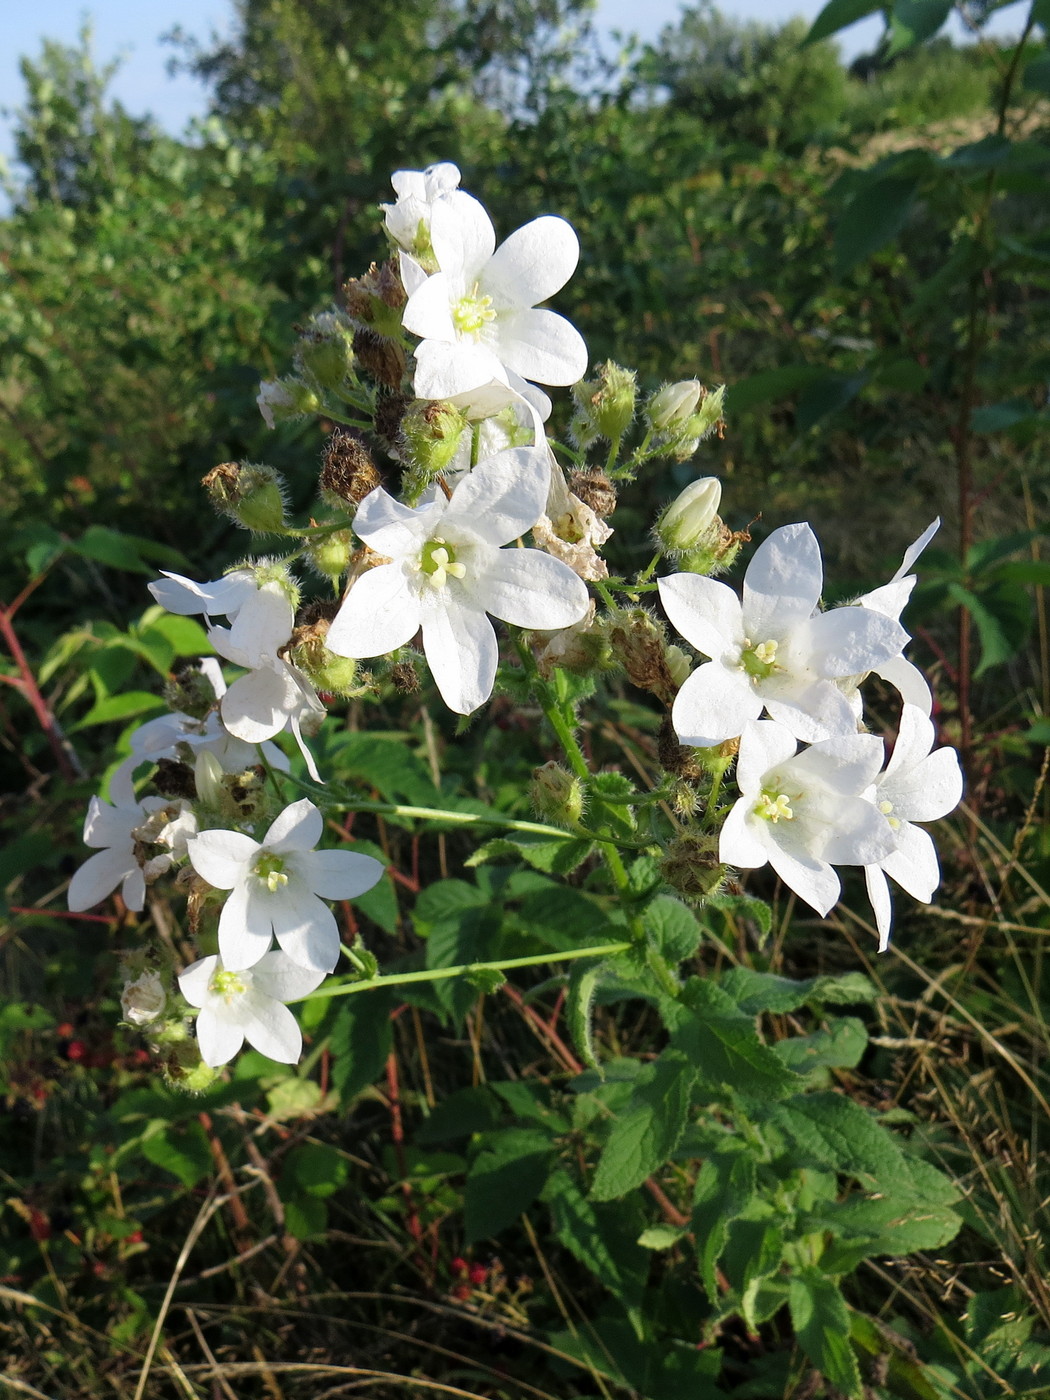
[(308, 651), (253, 496), (557, 795), (207, 777), (330, 554), (144, 999), (639, 644), (691, 516), (672, 404), (283, 400), (678, 664), (686, 436), (325, 351), (432, 432), (692, 867), (274, 571), (605, 406)]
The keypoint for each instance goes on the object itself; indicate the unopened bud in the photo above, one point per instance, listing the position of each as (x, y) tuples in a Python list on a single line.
[(715, 554), (325, 351), (678, 664), (207, 776), (605, 406), (144, 999), (253, 496), (594, 489), (432, 433), (330, 554), (405, 677), (686, 436), (691, 516), (274, 573), (673, 404), (557, 795), (283, 400), (348, 472)]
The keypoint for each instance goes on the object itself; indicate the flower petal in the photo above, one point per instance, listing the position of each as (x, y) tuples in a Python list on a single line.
[(812, 880), (339, 874), (908, 680), (528, 588), (462, 653), (271, 1028), (930, 790), (858, 834), (541, 345), (916, 548), (378, 615), (110, 826), (850, 641), (257, 706), (298, 828), (881, 903), (914, 864), (195, 980), (532, 264), (245, 928), (218, 1038), (133, 890), (713, 705), (449, 370), (305, 927), (99, 876), (706, 613), (222, 857), (263, 623), (764, 745), (501, 498), (428, 311), (783, 582), (462, 237), (814, 712), (391, 528), (739, 843), (845, 765), (277, 976)]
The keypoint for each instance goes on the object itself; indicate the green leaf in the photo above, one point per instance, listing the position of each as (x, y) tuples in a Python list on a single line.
[(672, 927), (829, 1130), (1003, 618), (184, 635), (742, 906), (873, 217), (915, 21), (841, 1046), (1037, 74), (579, 1010), (720, 1040), (773, 384), (111, 547), (121, 706), (755, 992), (360, 1041), (821, 1321), (384, 762), (839, 14), (863, 1227), (305, 1217), (825, 396), (564, 918), (552, 856), (724, 1190), (315, 1168), (998, 417), (504, 1181), (646, 1133), (585, 1232), (181, 1150), (659, 1237)]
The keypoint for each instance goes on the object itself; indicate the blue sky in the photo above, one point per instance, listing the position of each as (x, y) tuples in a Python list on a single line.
[(131, 30)]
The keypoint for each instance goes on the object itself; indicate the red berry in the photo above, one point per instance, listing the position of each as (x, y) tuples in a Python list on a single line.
[(134, 1238), (478, 1274), (459, 1266), (64, 1031), (76, 1050), (461, 1292)]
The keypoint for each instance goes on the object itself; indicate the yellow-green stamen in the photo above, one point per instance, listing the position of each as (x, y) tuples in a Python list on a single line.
[(772, 806), (471, 314), (228, 985), (270, 870), (438, 561), (759, 660)]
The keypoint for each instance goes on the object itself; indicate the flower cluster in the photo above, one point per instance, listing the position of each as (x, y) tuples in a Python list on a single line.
[(458, 517)]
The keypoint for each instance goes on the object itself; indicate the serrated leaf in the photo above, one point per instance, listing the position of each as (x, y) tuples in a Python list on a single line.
[(122, 706), (181, 1150), (863, 1227), (841, 1046), (553, 856), (755, 992), (504, 1181), (579, 1225), (721, 1041), (821, 1321), (462, 1114), (672, 927), (659, 1237), (830, 1131), (579, 1010), (316, 1168), (646, 1133), (743, 906), (725, 1188), (360, 1041)]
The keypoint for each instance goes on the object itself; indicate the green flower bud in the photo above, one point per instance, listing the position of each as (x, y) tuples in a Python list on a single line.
[(283, 400), (325, 352), (691, 517), (253, 496), (330, 554), (274, 571), (692, 867), (678, 664), (686, 436), (672, 404), (432, 432), (334, 674), (557, 795), (376, 300), (208, 775), (605, 406)]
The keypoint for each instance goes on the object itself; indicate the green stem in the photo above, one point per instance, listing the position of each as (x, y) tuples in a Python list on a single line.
[(440, 974), (604, 593), (475, 444), (614, 452), (650, 569), (397, 809)]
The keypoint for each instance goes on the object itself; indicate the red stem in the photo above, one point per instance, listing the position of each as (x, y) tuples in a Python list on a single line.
[(60, 747)]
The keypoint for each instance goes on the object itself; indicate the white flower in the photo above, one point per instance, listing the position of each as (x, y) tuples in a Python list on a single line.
[(480, 306), (278, 887), (221, 597), (447, 571), (916, 786), (247, 1005), (143, 1000), (773, 649), (408, 220), (690, 517), (890, 600), (273, 395), (804, 812), (120, 828), (273, 695)]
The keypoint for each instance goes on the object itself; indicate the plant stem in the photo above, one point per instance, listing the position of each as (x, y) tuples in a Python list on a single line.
[(440, 974)]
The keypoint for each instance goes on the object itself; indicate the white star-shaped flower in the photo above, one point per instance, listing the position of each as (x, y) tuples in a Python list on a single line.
[(221, 597), (773, 650), (120, 829), (408, 218), (248, 1005), (481, 306), (804, 812), (917, 785), (447, 570), (278, 887)]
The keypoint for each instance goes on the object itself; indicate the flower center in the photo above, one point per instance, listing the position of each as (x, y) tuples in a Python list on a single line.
[(270, 870), (438, 562), (771, 806), (567, 528), (886, 808), (759, 660), (229, 985), (471, 314)]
